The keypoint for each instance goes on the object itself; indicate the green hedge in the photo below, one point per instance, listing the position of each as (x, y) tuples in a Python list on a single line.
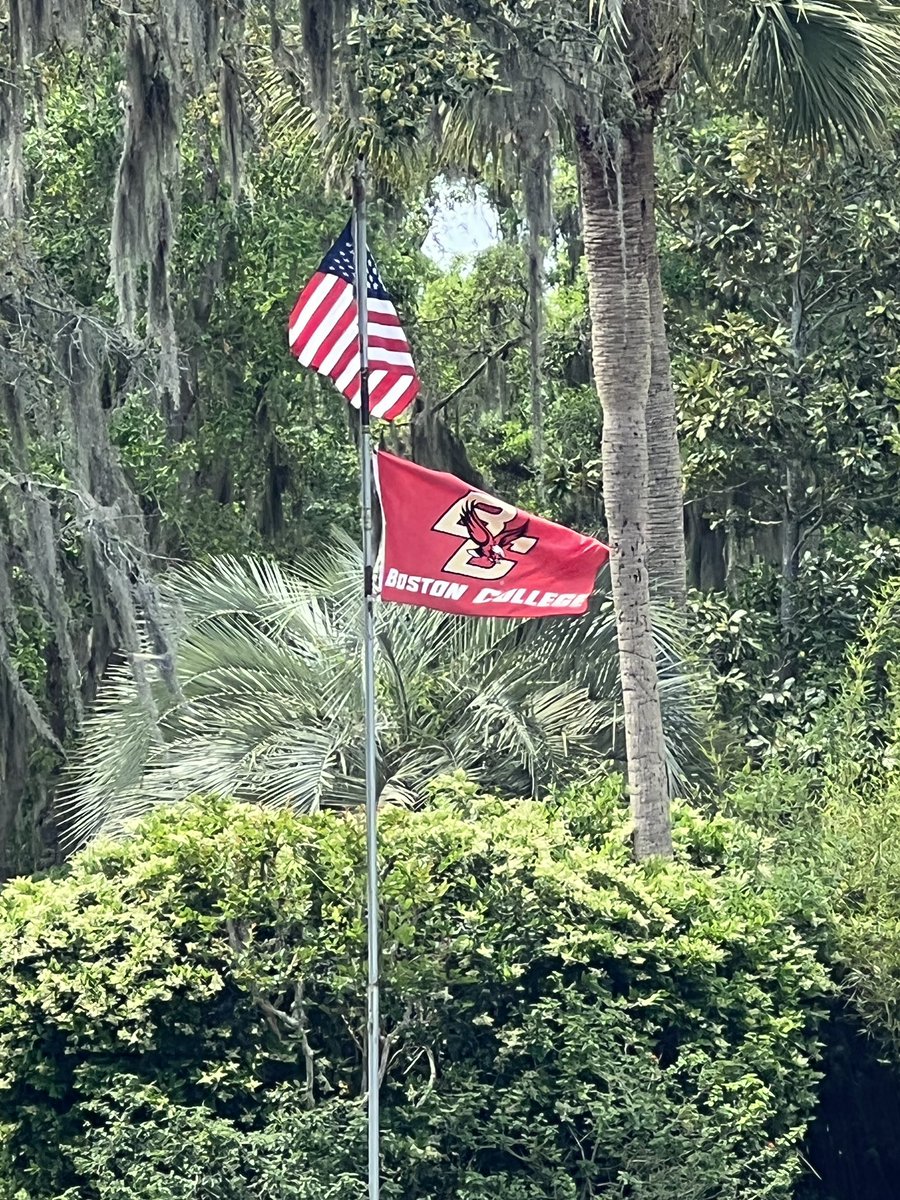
[(181, 1015)]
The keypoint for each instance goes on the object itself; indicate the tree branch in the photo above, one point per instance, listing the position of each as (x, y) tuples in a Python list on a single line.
[(482, 366), (308, 1053), (277, 1019)]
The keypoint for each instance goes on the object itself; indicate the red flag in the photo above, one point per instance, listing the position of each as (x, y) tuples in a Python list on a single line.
[(457, 549), (323, 333)]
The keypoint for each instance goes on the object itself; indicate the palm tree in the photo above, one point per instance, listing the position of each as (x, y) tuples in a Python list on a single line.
[(826, 71), (268, 706)]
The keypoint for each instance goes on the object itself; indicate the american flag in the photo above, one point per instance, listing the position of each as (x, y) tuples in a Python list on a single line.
[(324, 332)]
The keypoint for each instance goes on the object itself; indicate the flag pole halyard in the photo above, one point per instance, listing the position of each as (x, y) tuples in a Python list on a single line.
[(372, 906)]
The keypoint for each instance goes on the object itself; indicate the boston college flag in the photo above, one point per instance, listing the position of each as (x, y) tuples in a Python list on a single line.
[(451, 547)]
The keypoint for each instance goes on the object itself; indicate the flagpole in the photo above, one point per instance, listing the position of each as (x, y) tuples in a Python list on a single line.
[(372, 910)]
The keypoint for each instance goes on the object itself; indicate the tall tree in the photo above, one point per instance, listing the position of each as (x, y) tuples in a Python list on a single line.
[(590, 75), (614, 201)]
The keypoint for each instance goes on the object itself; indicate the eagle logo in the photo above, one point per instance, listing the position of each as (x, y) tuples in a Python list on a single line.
[(494, 536), (489, 547)]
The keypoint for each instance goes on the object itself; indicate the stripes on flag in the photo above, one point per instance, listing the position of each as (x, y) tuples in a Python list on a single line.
[(323, 333)]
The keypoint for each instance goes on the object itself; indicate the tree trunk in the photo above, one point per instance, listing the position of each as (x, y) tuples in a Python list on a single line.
[(794, 492), (614, 205), (665, 531), (706, 550), (791, 534), (535, 370)]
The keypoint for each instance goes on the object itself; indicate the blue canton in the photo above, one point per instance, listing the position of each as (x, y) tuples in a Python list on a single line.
[(340, 261)]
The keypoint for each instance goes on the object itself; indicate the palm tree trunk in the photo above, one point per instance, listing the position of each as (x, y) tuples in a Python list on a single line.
[(614, 205), (665, 532)]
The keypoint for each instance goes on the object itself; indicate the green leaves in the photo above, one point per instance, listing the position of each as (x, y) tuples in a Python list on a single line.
[(783, 340), (185, 1009), (828, 68)]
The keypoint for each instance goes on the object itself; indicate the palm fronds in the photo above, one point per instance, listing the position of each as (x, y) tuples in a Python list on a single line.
[(828, 68), (270, 707)]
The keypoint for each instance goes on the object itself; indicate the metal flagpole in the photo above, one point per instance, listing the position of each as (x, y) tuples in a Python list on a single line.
[(361, 257)]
